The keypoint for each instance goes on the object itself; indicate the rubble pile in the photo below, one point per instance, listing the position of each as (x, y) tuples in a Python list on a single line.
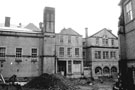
[(50, 82)]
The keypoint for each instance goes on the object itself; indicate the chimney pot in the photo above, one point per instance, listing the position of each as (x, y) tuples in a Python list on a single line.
[(86, 32)]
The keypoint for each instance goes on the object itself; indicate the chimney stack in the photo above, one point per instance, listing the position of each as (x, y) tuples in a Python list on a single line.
[(7, 21), (86, 32)]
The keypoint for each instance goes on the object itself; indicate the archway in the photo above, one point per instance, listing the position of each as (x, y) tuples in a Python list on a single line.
[(98, 70), (113, 69), (106, 70)]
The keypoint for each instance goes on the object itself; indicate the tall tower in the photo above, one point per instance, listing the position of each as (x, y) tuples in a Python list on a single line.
[(49, 20), (48, 63)]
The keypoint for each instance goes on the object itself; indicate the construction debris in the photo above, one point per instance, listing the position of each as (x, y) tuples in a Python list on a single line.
[(51, 82)]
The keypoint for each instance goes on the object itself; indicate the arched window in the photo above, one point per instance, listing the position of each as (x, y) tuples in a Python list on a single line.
[(98, 70), (106, 70), (113, 69)]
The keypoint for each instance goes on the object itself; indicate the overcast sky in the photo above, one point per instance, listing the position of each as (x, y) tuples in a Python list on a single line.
[(75, 14)]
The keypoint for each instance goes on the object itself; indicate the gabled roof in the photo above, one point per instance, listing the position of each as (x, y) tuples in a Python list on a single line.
[(102, 32), (69, 31), (32, 27)]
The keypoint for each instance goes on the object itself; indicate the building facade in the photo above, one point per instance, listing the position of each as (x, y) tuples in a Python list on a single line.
[(101, 53), (27, 52), (69, 53), (126, 39)]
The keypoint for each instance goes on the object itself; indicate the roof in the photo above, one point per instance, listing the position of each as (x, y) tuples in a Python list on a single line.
[(69, 31), (104, 30), (16, 29), (31, 26)]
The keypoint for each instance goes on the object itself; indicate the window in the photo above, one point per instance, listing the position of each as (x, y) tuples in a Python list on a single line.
[(77, 51), (1, 65), (2, 51), (69, 67), (129, 15), (34, 53), (61, 39), (97, 54), (106, 42), (61, 51), (112, 54), (112, 42), (105, 55), (83, 54), (97, 40), (18, 52), (69, 39), (103, 41), (69, 51), (84, 43), (77, 40)]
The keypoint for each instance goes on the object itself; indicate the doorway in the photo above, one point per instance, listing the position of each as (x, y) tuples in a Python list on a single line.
[(62, 67)]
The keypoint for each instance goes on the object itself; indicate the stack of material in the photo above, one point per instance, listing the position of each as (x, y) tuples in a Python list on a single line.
[(50, 82)]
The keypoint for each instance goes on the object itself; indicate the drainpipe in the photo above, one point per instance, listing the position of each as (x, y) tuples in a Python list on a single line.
[(42, 47)]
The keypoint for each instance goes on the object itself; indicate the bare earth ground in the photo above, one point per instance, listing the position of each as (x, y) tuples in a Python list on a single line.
[(106, 85)]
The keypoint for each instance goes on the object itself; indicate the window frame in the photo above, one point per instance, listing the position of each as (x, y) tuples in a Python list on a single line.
[(76, 51), (97, 54), (105, 54), (3, 53), (18, 54), (128, 11), (61, 39), (34, 54), (61, 52), (69, 51)]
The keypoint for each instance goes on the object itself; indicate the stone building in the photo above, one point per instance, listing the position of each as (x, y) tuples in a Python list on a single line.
[(69, 53), (126, 35), (28, 52), (101, 53)]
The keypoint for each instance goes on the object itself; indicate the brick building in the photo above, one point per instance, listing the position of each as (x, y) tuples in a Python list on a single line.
[(127, 42), (101, 53)]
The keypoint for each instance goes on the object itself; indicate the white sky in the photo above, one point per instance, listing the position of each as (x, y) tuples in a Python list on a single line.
[(75, 14)]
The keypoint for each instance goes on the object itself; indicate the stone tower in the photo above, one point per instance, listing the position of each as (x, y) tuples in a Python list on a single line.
[(48, 63)]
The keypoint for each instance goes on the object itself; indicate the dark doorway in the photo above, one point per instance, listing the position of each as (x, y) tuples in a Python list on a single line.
[(62, 67)]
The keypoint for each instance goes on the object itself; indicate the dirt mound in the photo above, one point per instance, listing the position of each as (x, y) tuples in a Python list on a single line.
[(50, 82)]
